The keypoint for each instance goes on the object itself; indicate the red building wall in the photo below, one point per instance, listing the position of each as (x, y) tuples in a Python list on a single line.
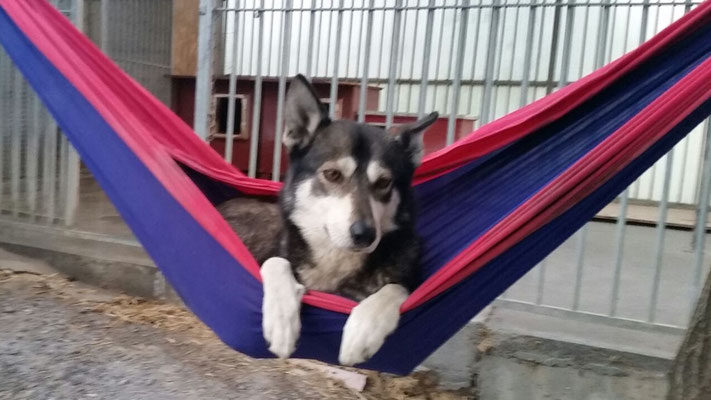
[(183, 103)]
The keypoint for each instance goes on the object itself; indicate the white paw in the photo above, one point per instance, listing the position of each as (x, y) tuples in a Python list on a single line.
[(370, 322), (281, 321)]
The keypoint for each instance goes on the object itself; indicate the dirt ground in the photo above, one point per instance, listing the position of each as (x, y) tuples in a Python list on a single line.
[(63, 340)]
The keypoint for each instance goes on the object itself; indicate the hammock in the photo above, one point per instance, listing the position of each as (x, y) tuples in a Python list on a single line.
[(491, 206)]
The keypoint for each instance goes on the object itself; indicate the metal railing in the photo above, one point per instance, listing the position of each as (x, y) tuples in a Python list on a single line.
[(39, 170), (483, 59), (41, 177)]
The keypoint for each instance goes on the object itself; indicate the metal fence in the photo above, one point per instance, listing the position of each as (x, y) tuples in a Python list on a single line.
[(136, 34), (39, 170), (483, 59), (41, 178)]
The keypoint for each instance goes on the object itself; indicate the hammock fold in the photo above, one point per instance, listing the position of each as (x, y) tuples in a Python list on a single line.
[(491, 206)]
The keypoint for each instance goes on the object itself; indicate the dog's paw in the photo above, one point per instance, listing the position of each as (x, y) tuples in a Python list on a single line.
[(370, 323), (281, 322)]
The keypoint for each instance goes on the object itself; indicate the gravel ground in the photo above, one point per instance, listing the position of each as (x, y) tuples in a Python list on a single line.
[(61, 340)]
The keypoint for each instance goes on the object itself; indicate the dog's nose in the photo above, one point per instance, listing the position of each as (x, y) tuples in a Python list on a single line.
[(362, 234)]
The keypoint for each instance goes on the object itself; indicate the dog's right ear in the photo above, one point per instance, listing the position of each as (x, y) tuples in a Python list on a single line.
[(304, 113)]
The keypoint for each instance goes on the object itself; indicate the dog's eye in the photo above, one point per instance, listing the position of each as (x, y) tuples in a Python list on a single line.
[(333, 175), (382, 183)]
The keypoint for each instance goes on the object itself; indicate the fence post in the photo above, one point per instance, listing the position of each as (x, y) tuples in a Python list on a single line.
[(203, 81), (333, 94), (426, 60), (554, 47), (490, 58), (454, 100), (232, 95), (392, 78), (285, 44), (256, 111)]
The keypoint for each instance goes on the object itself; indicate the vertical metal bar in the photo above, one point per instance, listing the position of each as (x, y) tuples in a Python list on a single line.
[(105, 16), (6, 120), (475, 51), (271, 40), (44, 190), (567, 42), (627, 29), (514, 47), (328, 42), (554, 46), (622, 219), (284, 70), (539, 47), (454, 99), (300, 24), (500, 58), (602, 34), (360, 43), (411, 73), (528, 55), (582, 239), (366, 65), (16, 142), (203, 81), (490, 58), (401, 56), (682, 173), (32, 157), (257, 103), (319, 36), (242, 54), (619, 247), (232, 91), (51, 170), (62, 176), (71, 200), (426, 60), (70, 181), (582, 43), (701, 219), (661, 230), (612, 33), (381, 48), (644, 22), (333, 98), (310, 50), (541, 281), (439, 57), (79, 12), (394, 51), (351, 47)]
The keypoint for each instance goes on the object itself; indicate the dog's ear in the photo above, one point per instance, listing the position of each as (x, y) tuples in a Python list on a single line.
[(410, 136), (303, 113)]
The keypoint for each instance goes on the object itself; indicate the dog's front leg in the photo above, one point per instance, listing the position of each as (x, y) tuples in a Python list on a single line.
[(370, 322), (281, 321)]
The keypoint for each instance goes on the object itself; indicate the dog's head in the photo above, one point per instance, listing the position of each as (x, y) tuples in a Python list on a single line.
[(348, 183)]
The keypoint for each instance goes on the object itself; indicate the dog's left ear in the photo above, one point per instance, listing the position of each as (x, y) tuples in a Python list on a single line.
[(410, 136), (303, 114)]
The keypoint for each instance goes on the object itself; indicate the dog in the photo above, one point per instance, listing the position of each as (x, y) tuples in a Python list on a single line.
[(344, 223)]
